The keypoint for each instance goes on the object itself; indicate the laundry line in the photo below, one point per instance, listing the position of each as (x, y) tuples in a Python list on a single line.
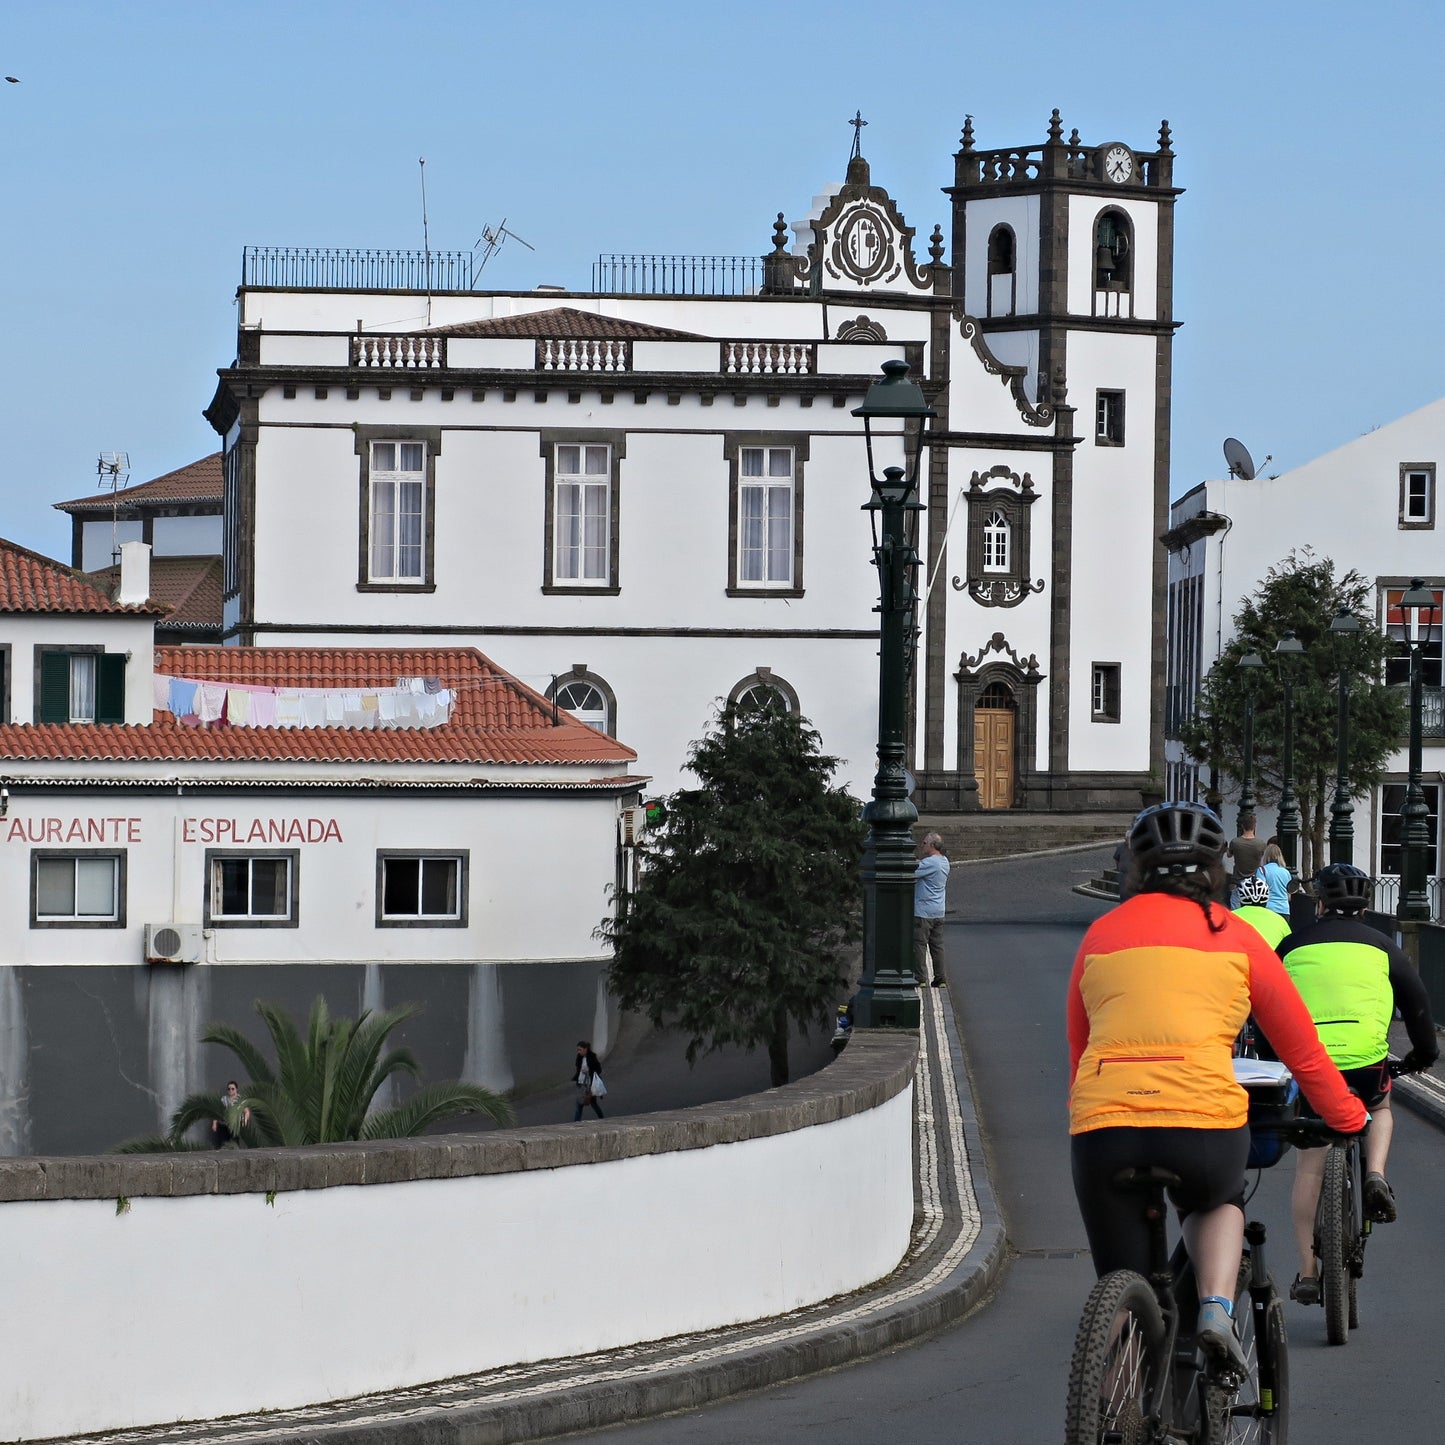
[(415, 702)]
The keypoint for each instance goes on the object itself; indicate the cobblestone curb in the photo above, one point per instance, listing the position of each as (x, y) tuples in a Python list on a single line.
[(956, 1254)]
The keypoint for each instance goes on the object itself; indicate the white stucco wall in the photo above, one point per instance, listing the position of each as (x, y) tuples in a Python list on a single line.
[(982, 215), (186, 536), (368, 1289), (111, 632), (98, 540)]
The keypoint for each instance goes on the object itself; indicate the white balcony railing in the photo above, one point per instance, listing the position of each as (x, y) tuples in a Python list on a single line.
[(400, 352), (568, 354), (769, 358)]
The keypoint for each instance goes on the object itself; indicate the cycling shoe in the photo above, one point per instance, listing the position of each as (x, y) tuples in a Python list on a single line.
[(1379, 1200), (1217, 1338), (1305, 1290)]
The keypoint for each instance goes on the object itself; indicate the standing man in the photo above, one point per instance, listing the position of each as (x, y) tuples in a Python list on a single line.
[(1246, 853), (930, 884)]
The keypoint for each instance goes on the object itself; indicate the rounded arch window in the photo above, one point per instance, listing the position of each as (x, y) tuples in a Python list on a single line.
[(1001, 251), (764, 691), (587, 698), (995, 695), (1113, 252)]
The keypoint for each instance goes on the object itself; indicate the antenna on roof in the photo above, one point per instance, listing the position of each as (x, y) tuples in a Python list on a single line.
[(493, 238), (113, 469), (425, 238), (1239, 461)]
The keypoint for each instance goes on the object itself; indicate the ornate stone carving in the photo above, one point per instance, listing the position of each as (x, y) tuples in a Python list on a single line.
[(999, 591), (861, 328), (1011, 376), (1027, 668)]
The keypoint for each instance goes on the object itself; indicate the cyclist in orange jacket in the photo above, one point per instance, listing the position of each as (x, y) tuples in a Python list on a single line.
[(1161, 986)]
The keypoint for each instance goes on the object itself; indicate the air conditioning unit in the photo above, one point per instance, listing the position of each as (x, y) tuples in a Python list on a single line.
[(173, 942), (634, 820)]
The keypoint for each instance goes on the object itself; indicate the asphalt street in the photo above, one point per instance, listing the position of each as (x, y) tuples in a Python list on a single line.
[(999, 1377)]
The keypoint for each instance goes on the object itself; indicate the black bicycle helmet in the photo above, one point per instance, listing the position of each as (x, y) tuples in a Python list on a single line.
[(1254, 889), (1176, 838), (1343, 887)]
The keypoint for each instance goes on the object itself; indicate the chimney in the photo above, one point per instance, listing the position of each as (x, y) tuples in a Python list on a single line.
[(135, 574)]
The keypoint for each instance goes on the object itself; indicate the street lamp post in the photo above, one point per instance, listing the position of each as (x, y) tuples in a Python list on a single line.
[(1419, 607), (1252, 662), (888, 991), (1342, 810), (1287, 649)]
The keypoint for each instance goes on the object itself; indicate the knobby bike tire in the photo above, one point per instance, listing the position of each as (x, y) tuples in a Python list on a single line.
[(1335, 1245), (1119, 1356), (1354, 1301)]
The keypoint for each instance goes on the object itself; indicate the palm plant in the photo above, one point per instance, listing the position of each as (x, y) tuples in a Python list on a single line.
[(323, 1084)]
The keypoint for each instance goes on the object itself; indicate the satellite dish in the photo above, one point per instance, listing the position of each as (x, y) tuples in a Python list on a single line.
[(1238, 459)]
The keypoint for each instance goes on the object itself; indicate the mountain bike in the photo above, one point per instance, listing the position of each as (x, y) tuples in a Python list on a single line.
[(1138, 1376), (1342, 1231)]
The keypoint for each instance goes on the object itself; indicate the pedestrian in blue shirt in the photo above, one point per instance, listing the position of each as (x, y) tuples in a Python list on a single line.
[(930, 883)]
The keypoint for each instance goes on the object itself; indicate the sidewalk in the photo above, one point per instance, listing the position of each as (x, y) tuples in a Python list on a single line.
[(957, 1251)]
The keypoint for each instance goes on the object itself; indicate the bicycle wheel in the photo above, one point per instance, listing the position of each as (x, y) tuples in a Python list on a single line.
[(1357, 1231), (1119, 1360), (1258, 1412), (1335, 1244)]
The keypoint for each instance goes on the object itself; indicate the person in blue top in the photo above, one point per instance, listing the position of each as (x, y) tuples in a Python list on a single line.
[(930, 883), (1277, 876)]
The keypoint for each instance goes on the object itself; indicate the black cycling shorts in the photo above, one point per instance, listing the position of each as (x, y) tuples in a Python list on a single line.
[(1210, 1164), (1371, 1083)]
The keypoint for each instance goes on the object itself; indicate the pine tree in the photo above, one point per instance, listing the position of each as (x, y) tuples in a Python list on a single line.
[(1301, 594), (749, 893)]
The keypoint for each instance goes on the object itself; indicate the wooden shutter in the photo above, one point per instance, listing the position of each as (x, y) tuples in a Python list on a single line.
[(54, 687), (110, 688)]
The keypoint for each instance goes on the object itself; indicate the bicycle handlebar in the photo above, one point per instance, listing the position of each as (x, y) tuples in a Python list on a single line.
[(1306, 1133)]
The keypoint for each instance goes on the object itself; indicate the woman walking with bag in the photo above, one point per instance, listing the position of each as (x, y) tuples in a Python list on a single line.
[(588, 1078)]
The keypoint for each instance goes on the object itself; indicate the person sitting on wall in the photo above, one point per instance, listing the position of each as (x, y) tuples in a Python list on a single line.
[(221, 1134)]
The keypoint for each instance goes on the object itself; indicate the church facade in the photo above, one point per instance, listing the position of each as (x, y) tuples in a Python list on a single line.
[(645, 498)]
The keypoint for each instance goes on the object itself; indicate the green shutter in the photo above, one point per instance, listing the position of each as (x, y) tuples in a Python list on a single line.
[(54, 687), (110, 688)]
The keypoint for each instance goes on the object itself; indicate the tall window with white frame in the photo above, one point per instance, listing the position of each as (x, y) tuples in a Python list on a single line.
[(765, 517), (1417, 496), (398, 511), (997, 542), (1106, 698), (581, 530), (1109, 419)]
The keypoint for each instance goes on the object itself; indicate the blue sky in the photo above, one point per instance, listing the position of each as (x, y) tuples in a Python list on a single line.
[(147, 143)]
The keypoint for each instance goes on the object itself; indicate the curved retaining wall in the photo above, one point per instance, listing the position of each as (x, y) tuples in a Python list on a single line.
[(322, 1273)]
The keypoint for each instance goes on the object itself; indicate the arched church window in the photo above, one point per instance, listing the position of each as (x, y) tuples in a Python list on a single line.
[(996, 540), (1113, 253), (996, 694), (764, 691), (587, 697), (1001, 251)]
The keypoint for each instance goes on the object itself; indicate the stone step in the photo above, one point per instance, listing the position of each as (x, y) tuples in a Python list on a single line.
[(980, 836)]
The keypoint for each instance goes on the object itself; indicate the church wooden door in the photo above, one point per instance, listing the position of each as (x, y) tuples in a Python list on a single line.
[(993, 748)]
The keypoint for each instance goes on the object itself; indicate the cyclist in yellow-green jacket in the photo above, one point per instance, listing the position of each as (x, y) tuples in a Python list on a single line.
[(1352, 978), (1253, 895)]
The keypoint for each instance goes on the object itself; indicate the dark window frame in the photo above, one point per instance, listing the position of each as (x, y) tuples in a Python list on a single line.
[(110, 682), (1392, 822), (431, 438), (549, 439), (118, 855), (993, 588), (1413, 524), (579, 673), (1113, 692), (733, 444), (1121, 278), (1109, 422), (463, 859), (765, 677), (212, 919), (995, 267)]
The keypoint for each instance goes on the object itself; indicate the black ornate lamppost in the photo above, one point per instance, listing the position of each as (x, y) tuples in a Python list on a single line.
[(1252, 663), (1419, 606), (1286, 651), (888, 992), (1342, 810)]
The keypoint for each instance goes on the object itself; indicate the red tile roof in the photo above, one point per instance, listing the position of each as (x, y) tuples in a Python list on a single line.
[(495, 718), (189, 586), (30, 582), (196, 482), (566, 322)]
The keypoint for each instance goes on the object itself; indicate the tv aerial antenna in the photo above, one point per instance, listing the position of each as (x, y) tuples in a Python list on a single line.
[(113, 469), (1239, 461), (493, 238)]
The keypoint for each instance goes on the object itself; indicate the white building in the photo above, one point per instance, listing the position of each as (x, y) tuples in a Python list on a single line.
[(192, 828), (1370, 505), (646, 497)]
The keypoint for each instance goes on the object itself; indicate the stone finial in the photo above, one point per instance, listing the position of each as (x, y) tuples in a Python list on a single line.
[(780, 235), (1164, 138), (1056, 128), (935, 244), (1059, 388), (968, 132), (1074, 136)]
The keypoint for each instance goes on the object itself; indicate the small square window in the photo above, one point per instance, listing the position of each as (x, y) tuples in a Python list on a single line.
[(1417, 495), (1109, 419), (77, 890), (251, 890), (1105, 699), (424, 889)]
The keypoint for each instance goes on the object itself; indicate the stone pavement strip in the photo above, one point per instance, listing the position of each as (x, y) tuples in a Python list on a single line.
[(956, 1253)]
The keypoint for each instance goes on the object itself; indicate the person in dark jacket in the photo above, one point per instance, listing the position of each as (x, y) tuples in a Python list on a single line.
[(587, 1073)]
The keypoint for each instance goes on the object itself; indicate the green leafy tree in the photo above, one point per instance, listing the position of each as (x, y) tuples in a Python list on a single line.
[(322, 1086), (749, 894), (1301, 594)]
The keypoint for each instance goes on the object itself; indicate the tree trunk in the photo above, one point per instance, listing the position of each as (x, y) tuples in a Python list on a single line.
[(778, 1048)]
